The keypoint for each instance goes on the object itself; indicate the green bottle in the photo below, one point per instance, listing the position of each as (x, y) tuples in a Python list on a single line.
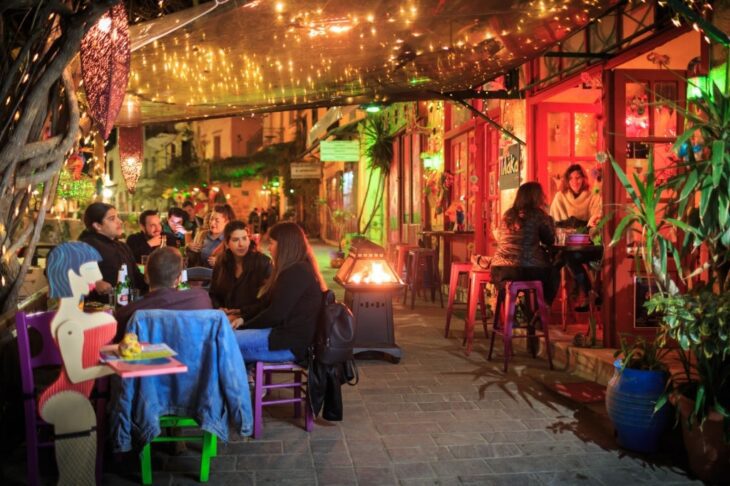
[(121, 293), (183, 285)]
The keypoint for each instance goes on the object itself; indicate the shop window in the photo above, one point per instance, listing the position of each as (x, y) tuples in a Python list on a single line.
[(637, 109)]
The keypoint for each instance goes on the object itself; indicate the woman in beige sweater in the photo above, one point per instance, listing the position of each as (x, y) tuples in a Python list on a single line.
[(575, 200), (575, 205)]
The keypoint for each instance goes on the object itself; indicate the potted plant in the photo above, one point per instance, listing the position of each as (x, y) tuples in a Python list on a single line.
[(692, 228), (638, 383)]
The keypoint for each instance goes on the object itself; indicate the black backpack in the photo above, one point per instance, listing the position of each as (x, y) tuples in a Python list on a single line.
[(336, 332)]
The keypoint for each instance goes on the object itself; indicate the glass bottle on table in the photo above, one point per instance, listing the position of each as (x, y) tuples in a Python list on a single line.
[(183, 285), (121, 292)]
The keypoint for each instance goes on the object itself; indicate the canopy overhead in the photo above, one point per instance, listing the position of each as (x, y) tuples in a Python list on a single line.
[(267, 55)]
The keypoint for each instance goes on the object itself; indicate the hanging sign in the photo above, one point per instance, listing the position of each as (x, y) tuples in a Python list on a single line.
[(339, 150), (509, 167), (305, 170)]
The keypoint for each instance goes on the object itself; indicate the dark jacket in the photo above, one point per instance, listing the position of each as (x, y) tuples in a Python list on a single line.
[(138, 244), (523, 245), (242, 293), (162, 299), (293, 310), (113, 255)]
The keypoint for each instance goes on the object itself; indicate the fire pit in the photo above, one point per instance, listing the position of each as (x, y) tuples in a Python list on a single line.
[(370, 283)]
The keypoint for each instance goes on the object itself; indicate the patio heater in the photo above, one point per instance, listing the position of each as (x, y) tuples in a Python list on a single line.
[(370, 283)]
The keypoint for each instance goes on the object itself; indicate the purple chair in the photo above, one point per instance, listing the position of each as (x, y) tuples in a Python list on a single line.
[(38, 433), (263, 383)]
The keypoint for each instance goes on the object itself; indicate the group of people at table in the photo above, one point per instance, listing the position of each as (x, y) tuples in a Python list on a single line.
[(271, 302), (527, 233)]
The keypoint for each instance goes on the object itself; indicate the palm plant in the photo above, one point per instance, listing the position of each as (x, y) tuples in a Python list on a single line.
[(699, 209)]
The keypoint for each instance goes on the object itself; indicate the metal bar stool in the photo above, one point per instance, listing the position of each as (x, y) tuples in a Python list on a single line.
[(457, 269), (477, 280), (505, 312), (421, 260)]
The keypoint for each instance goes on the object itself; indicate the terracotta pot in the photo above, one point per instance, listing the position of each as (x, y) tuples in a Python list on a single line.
[(707, 451)]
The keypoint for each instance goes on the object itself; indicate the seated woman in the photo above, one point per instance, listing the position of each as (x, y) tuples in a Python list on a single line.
[(208, 244), (525, 232), (574, 206), (286, 327), (239, 273)]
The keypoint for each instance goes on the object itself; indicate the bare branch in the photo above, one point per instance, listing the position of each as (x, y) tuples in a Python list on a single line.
[(35, 149), (60, 150)]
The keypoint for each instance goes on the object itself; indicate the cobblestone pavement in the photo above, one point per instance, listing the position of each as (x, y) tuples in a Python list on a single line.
[(437, 417)]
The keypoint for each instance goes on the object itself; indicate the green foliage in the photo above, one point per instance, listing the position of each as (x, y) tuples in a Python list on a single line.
[(700, 322), (82, 190), (379, 148), (698, 192), (638, 353)]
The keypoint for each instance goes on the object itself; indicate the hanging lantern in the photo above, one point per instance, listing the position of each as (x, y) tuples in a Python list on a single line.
[(130, 154), (105, 60)]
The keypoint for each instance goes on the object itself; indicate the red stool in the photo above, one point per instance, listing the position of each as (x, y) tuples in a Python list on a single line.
[(420, 260), (477, 280), (457, 268), (505, 312), (401, 259)]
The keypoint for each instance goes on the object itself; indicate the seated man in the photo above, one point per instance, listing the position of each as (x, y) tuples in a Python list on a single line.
[(103, 230), (150, 237), (175, 224), (194, 221), (163, 275)]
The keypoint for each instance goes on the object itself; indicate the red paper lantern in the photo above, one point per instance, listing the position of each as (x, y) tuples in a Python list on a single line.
[(105, 58)]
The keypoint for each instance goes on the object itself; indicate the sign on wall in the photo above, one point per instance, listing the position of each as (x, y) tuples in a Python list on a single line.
[(509, 167), (306, 170), (339, 150)]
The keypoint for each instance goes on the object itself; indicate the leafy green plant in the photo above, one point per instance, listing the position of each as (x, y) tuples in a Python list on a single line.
[(698, 212), (639, 353), (379, 151)]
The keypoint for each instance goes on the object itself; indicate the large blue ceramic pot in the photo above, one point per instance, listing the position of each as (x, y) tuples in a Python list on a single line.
[(630, 400)]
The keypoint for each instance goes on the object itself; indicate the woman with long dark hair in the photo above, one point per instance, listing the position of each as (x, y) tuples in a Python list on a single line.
[(525, 232), (293, 292), (576, 206), (239, 273)]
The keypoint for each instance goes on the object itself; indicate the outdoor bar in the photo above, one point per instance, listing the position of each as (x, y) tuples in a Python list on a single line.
[(220, 215)]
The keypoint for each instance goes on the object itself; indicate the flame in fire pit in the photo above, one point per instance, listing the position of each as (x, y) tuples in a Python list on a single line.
[(375, 274)]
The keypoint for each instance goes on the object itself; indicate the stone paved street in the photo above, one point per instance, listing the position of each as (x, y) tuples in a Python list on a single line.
[(438, 417)]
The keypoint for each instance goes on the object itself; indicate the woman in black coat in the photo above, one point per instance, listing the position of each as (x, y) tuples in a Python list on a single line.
[(239, 274), (285, 328)]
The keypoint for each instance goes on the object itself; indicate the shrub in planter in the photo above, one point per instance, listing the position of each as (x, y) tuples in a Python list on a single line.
[(638, 383)]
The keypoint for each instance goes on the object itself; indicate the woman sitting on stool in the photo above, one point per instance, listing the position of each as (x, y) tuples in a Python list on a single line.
[(525, 232), (286, 327), (575, 206)]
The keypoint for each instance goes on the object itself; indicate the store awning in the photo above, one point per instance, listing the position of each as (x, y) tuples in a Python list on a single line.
[(266, 55)]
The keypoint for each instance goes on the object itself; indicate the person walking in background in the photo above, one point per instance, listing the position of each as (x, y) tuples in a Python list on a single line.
[(163, 273), (151, 236), (208, 244), (103, 228), (525, 233), (194, 222), (239, 273), (293, 293), (264, 221), (254, 221), (576, 206), (273, 215)]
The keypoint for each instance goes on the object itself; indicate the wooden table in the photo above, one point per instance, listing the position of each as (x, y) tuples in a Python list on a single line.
[(444, 238)]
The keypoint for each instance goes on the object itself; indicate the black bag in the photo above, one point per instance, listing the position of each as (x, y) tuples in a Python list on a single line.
[(336, 332)]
